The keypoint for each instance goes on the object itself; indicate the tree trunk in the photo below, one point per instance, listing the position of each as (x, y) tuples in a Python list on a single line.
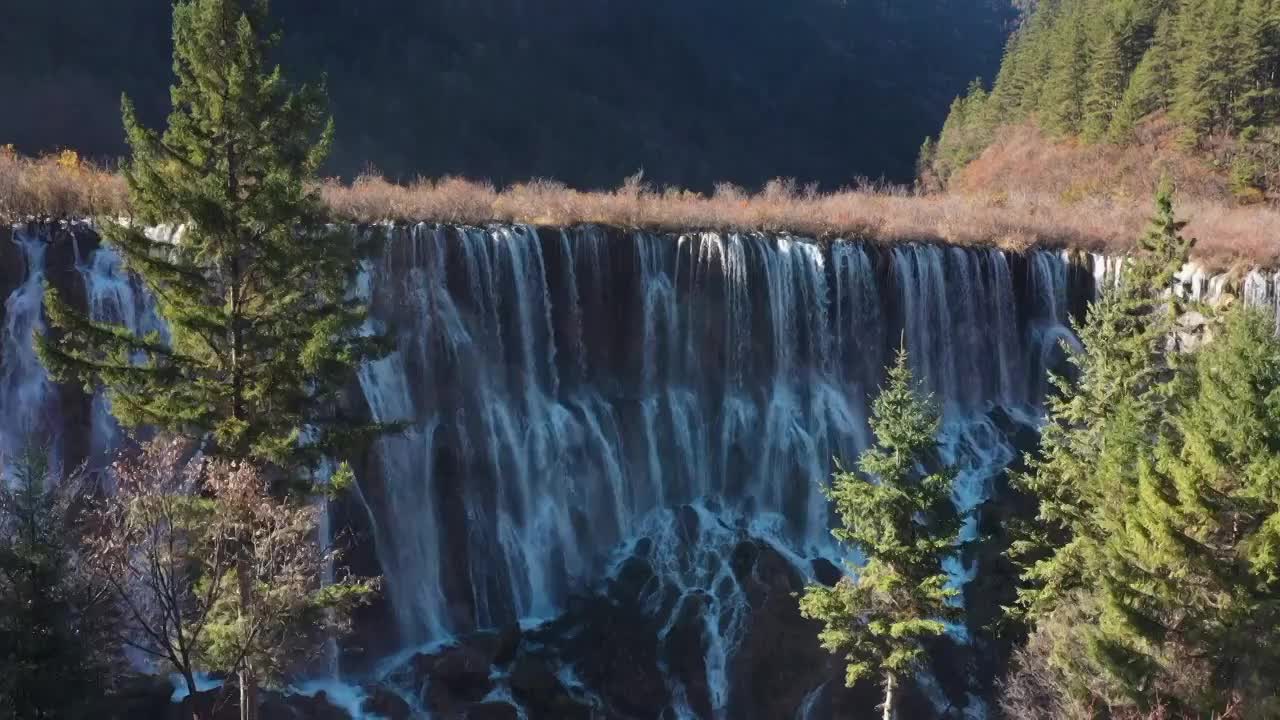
[(890, 688), (194, 700), (248, 694), (248, 680)]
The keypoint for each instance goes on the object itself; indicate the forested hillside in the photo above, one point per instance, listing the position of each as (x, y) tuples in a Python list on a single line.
[(1203, 73), (692, 91)]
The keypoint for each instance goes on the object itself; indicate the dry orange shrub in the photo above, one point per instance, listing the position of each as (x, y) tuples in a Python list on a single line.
[(58, 185), (1015, 209)]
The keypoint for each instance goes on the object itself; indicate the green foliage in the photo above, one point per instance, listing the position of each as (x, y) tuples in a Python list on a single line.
[(288, 612), (262, 331), (903, 521), (1257, 65), (1106, 86), (1216, 525), (1247, 180), (1149, 86), (263, 336), (195, 595), (1096, 447), (56, 648), (1061, 107), (1204, 84), (1158, 486), (1097, 68), (966, 133)]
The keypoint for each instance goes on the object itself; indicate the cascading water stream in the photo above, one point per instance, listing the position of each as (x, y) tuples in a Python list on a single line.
[(566, 391), (114, 297), (29, 410)]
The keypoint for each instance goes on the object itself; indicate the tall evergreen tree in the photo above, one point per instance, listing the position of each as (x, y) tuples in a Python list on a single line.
[(1037, 57), (1106, 85), (253, 287), (1061, 104), (1014, 80), (1257, 65), (1213, 526), (903, 521), (1182, 598), (1098, 465), (263, 334), (1202, 75), (1149, 86), (1100, 425), (966, 132)]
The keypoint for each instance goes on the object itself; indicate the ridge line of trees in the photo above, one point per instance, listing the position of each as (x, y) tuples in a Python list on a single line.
[(1096, 69)]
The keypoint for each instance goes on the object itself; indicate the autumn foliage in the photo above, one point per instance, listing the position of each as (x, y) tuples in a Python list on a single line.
[(168, 540), (1015, 211)]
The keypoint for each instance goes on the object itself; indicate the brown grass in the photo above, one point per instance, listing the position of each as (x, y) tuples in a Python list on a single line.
[(58, 185), (997, 203), (1110, 185), (1025, 159)]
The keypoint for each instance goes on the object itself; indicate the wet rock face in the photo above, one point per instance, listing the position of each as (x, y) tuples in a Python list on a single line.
[(639, 649), (385, 703), (149, 697), (493, 711), (317, 707), (456, 677), (13, 264), (779, 661)]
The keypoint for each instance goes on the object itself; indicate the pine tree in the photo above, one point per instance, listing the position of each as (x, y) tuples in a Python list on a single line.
[(967, 131), (1061, 103), (1037, 59), (1215, 527), (1189, 593), (1097, 462), (1106, 86), (1257, 65), (1118, 531), (1202, 72), (903, 521), (1148, 86), (263, 334), (927, 178), (1014, 81), (56, 650)]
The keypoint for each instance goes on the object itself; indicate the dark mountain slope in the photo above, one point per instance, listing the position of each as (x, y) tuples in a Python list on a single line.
[(586, 91)]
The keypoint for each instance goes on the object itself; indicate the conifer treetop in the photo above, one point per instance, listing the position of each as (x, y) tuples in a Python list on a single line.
[(899, 515), (262, 331)]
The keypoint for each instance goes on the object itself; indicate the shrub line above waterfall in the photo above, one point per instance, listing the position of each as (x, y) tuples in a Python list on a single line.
[(64, 186)]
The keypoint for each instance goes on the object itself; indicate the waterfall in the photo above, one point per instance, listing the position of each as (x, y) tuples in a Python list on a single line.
[(114, 296), (32, 406), (29, 411), (564, 388), (574, 399)]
